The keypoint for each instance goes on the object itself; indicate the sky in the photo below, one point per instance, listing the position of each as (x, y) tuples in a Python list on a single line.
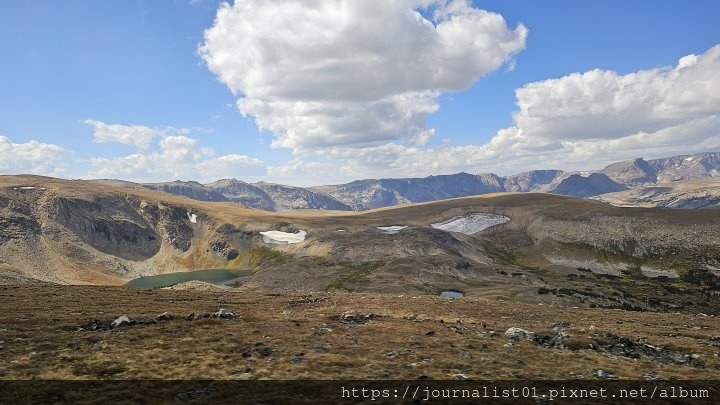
[(329, 91)]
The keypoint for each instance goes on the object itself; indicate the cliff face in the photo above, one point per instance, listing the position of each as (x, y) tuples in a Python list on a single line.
[(109, 225), (74, 232)]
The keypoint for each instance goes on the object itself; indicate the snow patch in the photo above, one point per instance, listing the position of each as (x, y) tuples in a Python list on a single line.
[(471, 223), (27, 188), (192, 218), (283, 238), (391, 230)]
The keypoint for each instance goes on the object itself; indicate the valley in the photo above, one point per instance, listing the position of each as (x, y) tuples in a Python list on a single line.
[(606, 292)]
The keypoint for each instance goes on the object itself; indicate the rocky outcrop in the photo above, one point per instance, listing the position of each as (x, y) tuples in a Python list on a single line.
[(170, 222), (243, 193), (191, 189), (109, 225)]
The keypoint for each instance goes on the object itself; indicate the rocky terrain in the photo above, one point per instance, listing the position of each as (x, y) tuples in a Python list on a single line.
[(115, 333), (634, 176)]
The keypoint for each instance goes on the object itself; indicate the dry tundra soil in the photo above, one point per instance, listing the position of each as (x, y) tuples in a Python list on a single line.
[(65, 333)]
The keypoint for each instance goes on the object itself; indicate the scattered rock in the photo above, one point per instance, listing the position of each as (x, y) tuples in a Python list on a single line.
[(519, 334), (602, 374), (261, 350), (143, 320), (165, 316), (417, 318), (93, 325), (548, 340), (651, 376), (305, 300), (464, 354), (560, 326), (224, 314), (458, 327), (325, 327), (354, 318), (120, 321), (625, 347), (195, 316), (124, 321)]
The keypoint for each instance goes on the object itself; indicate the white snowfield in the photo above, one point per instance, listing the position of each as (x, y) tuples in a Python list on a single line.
[(471, 223), (391, 230), (283, 238), (28, 188), (192, 218)]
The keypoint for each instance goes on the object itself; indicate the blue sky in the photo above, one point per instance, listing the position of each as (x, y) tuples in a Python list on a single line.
[(193, 90)]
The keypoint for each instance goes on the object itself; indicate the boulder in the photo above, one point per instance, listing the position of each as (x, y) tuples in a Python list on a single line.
[(516, 333), (120, 321)]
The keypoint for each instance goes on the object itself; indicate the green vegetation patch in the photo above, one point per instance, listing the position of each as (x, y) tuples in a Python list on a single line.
[(264, 256), (351, 273), (499, 254)]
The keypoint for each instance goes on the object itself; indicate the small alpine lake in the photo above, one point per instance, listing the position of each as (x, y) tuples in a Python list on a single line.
[(452, 294), (213, 276)]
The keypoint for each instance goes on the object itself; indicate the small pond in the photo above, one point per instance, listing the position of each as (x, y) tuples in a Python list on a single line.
[(214, 276), (452, 294)]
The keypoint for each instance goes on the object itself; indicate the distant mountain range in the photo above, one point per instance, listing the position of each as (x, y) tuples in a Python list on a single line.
[(376, 193)]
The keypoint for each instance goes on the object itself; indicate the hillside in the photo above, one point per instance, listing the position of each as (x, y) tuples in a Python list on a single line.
[(544, 248), (687, 194)]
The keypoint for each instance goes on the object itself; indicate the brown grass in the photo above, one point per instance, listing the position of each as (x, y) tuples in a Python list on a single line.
[(286, 336)]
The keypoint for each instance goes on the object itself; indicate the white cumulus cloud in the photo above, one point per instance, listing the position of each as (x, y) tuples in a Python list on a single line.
[(347, 73), (140, 136), (575, 122), (31, 157), (179, 157), (604, 116)]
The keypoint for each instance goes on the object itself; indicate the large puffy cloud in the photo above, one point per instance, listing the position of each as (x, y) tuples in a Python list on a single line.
[(179, 157), (601, 104), (602, 116), (575, 122), (346, 73), (31, 157)]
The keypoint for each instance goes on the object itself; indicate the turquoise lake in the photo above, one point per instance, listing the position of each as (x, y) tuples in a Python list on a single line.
[(214, 276)]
